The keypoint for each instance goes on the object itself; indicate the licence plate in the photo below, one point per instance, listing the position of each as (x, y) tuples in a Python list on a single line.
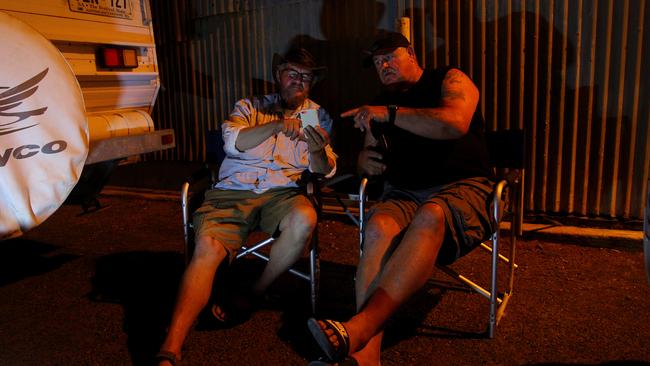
[(109, 8)]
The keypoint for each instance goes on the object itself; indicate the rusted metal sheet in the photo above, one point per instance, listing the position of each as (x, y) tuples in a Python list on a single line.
[(568, 71)]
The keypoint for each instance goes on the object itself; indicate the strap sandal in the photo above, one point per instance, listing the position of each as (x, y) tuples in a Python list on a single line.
[(214, 317), (347, 361), (335, 352)]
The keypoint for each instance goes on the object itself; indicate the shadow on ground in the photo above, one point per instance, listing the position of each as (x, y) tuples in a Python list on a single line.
[(145, 284), (610, 363), (22, 258)]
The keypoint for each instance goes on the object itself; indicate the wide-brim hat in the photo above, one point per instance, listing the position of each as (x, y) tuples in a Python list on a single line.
[(384, 43), (302, 58)]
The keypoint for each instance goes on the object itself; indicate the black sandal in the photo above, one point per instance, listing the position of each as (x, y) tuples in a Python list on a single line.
[(214, 318)]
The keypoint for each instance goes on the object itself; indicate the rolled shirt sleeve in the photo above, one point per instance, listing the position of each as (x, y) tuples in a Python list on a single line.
[(239, 119)]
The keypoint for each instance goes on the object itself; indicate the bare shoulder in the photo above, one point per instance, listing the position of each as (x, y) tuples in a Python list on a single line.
[(458, 86)]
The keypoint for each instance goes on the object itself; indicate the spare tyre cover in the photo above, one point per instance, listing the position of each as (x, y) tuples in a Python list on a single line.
[(43, 129)]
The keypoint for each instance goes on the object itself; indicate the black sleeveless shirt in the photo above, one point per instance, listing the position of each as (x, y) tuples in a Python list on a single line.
[(416, 162)]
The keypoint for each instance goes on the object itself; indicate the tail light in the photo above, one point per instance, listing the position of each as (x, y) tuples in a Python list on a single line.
[(117, 57)]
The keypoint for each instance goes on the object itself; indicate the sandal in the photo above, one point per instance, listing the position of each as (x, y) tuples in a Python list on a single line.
[(334, 353), (213, 318), (242, 305), (166, 356), (347, 361), (232, 312)]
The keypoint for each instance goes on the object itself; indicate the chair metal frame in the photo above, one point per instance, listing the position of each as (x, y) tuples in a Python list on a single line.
[(205, 178), (510, 184), (254, 250)]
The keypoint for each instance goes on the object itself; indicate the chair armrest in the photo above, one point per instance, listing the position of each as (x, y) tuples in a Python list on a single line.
[(203, 176), (327, 182), (310, 182), (508, 191), (205, 172), (509, 180), (319, 180), (512, 177), (198, 182)]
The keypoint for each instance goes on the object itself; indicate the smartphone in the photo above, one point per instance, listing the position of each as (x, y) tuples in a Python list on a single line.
[(308, 117)]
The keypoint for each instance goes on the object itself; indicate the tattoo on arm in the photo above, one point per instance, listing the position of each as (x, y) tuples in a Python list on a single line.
[(452, 85)]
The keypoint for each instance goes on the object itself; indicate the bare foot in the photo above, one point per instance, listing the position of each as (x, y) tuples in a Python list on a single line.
[(331, 335)]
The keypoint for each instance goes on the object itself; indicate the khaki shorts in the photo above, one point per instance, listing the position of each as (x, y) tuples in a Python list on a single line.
[(229, 215), (467, 206)]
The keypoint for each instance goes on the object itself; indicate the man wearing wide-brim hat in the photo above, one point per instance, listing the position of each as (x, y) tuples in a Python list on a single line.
[(269, 141), (299, 57)]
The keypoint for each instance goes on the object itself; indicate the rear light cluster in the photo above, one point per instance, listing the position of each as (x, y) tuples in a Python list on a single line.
[(117, 57)]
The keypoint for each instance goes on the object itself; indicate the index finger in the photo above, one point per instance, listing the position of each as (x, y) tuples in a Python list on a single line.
[(374, 154), (321, 131), (350, 113), (318, 132)]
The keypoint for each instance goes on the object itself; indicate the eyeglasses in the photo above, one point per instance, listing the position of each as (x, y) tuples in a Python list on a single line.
[(299, 76), (379, 60)]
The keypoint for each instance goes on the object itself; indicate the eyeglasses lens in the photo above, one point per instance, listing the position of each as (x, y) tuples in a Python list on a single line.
[(295, 75)]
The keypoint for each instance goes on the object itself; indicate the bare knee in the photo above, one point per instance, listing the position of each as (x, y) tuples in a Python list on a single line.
[(381, 227), (429, 216), (209, 249), (300, 221)]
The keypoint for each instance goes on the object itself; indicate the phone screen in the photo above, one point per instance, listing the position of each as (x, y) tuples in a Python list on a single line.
[(308, 117)]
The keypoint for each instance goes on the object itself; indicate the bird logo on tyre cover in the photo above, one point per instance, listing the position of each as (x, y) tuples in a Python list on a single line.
[(11, 99)]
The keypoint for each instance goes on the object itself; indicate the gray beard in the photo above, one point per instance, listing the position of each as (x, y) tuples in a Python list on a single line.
[(293, 101)]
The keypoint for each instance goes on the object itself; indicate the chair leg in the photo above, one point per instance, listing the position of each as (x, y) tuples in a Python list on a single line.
[(513, 266), (520, 204), (362, 214), (314, 276), (493, 288)]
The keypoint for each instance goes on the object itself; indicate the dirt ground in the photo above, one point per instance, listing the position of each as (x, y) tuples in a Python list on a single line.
[(97, 289)]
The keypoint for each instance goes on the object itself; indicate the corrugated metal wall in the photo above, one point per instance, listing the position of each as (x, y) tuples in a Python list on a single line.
[(568, 71)]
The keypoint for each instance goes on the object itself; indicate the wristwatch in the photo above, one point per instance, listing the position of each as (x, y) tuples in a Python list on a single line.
[(392, 113)]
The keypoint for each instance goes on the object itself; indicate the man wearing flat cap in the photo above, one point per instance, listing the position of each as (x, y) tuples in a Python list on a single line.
[(425, 138), (267, 149)]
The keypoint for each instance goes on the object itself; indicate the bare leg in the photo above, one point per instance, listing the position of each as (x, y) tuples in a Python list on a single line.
[(194, 292), (406, 271), (370, 354), (380, 233), (296, 228)]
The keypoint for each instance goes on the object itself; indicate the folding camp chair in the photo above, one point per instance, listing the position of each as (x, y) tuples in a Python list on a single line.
[(192, 194), (506, 149)]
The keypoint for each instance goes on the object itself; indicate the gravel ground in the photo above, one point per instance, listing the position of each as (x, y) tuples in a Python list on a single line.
[(97, 289)]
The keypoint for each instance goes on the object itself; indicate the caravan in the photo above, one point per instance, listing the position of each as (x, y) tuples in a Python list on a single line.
[(78, 82)]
